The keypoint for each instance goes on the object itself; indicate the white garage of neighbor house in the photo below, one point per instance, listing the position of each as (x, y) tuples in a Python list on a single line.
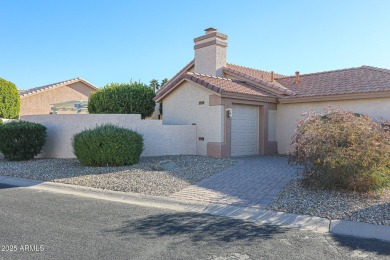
[(244, 111)]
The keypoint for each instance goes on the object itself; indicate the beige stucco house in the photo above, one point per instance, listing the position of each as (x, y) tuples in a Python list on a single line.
[(245, 111), (40, 100)]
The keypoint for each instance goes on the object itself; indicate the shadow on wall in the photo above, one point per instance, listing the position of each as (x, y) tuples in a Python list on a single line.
[(198, 228)]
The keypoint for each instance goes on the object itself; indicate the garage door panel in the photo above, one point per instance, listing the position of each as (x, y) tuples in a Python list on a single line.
[(244, 138), (251, 124)]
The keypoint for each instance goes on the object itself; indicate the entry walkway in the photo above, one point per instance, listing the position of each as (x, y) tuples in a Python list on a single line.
[(253, 182)]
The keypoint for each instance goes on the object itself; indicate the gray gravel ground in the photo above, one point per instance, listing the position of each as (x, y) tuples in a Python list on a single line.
[(299, 199), (138, 178)]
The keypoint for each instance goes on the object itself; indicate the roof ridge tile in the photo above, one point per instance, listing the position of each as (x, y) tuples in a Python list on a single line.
[(376, 69), (261, 81), (210, 76), (266, 71), (322, 72)]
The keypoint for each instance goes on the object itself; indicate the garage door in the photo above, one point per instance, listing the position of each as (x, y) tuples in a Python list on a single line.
[(245, 131)]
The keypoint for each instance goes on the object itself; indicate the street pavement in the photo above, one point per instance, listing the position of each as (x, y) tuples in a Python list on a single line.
[(38, 224)]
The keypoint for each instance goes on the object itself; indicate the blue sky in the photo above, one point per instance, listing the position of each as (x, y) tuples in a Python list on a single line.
[(106, 41)]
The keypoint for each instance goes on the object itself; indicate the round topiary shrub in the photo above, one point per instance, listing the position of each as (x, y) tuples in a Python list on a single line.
[(21, 140), (108, 145), (9, 100), (342, 150), (133, 98)]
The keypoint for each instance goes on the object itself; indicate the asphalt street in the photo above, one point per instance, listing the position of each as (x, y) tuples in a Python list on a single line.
[(42, 225)]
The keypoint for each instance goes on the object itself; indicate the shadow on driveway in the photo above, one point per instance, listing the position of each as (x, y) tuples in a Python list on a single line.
[(199, 228), (363, 245), (6, 186)]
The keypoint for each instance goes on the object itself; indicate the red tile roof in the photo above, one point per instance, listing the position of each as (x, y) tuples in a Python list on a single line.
[(260, 74), (255, 82), (221, 85), (363, 79), (273, 86)]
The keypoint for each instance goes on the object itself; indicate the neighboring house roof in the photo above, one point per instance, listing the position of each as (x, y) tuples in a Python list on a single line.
[(24, 93), (364, 79)]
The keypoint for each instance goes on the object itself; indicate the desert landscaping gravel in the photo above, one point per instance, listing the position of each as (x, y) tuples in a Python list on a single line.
[(299, 199), (140, 178)]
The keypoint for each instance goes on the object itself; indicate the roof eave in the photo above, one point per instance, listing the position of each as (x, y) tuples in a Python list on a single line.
[(234, 95), (324, 98)]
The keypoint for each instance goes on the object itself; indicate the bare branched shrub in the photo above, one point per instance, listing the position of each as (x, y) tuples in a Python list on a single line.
[(341, 149)]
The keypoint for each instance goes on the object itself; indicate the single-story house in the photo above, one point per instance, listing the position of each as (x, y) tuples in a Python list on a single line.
[(41, 100), (244, 111)]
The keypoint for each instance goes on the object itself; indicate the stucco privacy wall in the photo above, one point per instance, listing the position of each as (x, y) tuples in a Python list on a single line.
[(272, 125), (159, 139), (39, 103), (287, 115), (184, 106)]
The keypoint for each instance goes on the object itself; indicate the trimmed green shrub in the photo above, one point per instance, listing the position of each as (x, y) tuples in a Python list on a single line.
[(9, 100), (108, 145), (342, 150), (1, 121), (21, 140), (133, 98)]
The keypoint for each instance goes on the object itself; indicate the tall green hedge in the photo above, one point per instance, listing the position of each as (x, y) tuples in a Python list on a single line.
[(132, 98), (9, 100)]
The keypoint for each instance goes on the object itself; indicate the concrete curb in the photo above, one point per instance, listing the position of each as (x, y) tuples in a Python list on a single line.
[(116, 196), (288, 220), (262, 216), (360, 229)]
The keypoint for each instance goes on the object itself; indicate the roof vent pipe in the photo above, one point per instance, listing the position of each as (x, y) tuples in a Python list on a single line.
[(297, 77), (272, 76)]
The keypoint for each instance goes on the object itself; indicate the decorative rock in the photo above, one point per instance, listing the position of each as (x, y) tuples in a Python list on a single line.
[(167, 165), (299, 199), (135, 178)]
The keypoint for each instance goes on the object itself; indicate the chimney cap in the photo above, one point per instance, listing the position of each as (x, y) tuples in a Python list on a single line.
[(210, 30), (297, 80)]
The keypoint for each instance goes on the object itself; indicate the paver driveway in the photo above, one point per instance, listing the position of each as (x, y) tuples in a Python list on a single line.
[(253, 182)]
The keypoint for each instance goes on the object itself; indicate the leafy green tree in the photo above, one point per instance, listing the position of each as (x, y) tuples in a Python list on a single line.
[(120, 98), (154, 84), (163, 82), (9, 100)]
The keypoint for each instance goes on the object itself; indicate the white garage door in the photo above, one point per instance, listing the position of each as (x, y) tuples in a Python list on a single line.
[(245, 131)]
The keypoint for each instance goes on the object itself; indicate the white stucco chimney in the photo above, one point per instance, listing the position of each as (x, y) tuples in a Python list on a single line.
[(210, 53)]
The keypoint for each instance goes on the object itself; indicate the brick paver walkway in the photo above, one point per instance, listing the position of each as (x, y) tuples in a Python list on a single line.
[(253, 182)]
